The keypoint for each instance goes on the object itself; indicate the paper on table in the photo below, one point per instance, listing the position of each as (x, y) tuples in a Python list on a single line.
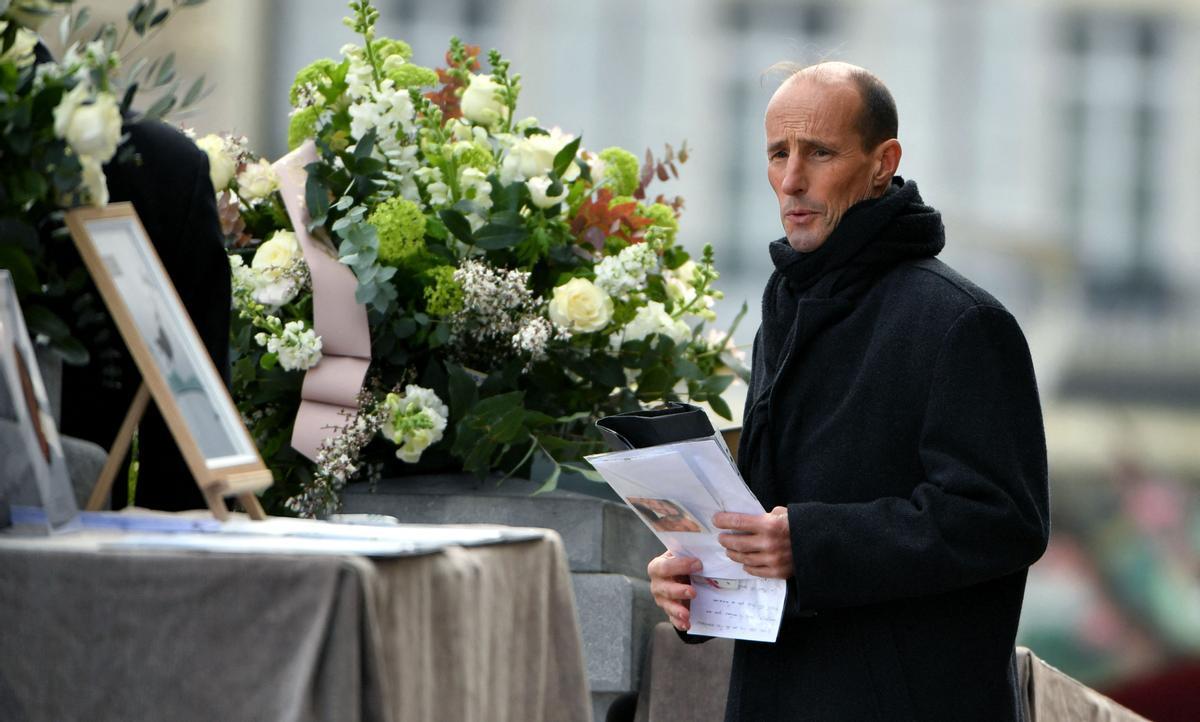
[(676, 489), (258, 544)]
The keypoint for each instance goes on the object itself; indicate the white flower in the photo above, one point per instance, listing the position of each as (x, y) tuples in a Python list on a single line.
[(90, 125), (533, 336), (653, 319), (538, 188), (21, 52), (257, 180), (626, 271), (579, 305), (221, 165), (414, 421), (273, 285), (481, 101), (297, 348), (475, 186), (596, 166), (534, 156), (94, 181)]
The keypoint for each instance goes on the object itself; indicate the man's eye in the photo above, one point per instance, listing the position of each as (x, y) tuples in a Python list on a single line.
[(821, 153), (779, 154)]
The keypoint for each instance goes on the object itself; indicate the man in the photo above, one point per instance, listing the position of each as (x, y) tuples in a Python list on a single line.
[(892, 427), (167, 181)]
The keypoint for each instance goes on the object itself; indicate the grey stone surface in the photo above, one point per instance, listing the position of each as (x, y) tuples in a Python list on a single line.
[(616, 617), (599, 535)]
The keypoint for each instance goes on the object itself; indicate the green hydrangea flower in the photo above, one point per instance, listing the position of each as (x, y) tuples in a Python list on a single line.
[(400, 226), (443, 294), (384, 48), (327, 76), (475, 157), (620, 170), (412, 76), (620, 201), (302, 126), (662, 216)]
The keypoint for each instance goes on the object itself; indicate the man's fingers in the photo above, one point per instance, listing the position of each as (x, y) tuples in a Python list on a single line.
[(669, 565), (735, 522), (671, 590), (742, 542)]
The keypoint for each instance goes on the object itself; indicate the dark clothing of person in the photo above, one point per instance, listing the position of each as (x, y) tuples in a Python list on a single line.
[(893, 410), (168, 184)]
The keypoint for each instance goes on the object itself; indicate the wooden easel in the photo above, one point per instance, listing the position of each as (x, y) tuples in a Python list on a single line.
[(214, 492)]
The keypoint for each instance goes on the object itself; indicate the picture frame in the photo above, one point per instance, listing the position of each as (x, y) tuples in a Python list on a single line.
[(33, 469), (176, 370)]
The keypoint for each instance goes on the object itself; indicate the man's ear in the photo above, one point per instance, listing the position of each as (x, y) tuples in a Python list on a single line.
[(887, 162)]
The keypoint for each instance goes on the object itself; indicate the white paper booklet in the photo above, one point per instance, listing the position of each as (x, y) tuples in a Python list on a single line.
[(676, 489)]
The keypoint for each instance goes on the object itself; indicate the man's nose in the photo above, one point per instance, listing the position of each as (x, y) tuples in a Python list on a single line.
[(795, 180)]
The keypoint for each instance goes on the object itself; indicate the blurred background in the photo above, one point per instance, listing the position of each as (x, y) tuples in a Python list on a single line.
[(1059, 138)]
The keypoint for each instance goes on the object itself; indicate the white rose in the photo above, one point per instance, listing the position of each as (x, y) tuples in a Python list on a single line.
[(538, 188), (221, 166), (91, 126), (94, 181), (578, 305), (21, 52), (272, 287), (481, 101), (257, 180), (534, 156)]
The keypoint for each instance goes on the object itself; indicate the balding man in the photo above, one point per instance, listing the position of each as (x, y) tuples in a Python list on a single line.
[(894, 429)]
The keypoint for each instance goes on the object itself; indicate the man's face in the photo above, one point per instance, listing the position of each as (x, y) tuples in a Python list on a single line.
[(815, 158)]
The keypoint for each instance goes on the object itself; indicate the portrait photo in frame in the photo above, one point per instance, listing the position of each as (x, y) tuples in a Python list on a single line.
[(175, 368), (33, 470)]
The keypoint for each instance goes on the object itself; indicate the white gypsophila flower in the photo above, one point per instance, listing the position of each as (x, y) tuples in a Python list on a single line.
[(257, 180), (221, 163), (534, 335), (626, 271), (94, 182), (475, 186), (539, 192), (298, 348), (414, 421), (481, 101), (534, 156), (653, 319), (580, 306)]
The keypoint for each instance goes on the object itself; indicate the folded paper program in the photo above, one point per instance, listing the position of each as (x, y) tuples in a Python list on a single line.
[(331, 388)]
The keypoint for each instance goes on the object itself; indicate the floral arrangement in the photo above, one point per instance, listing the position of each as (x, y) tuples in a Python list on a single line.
[(518, 285), (62, 123)]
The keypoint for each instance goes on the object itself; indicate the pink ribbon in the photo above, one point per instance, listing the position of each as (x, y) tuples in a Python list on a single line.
[(330, 389)]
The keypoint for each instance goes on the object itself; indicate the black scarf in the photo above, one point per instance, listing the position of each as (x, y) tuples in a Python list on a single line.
[(873, 236)]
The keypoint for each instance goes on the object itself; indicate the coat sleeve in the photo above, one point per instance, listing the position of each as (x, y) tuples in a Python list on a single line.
[(980, 512)]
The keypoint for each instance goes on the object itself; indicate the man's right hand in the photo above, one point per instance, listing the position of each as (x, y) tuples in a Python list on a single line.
[(672, 587)]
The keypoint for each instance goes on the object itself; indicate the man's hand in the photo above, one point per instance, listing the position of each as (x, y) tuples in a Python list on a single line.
[(764, 545), (671, 586)]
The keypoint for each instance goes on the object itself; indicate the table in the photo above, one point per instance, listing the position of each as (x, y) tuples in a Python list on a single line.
[(480, 633)]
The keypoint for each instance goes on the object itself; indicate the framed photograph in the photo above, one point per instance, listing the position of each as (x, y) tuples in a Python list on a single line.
[(33, 471), (168, 352)]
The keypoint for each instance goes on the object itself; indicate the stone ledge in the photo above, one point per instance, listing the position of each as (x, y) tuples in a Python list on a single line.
[(599, 535)]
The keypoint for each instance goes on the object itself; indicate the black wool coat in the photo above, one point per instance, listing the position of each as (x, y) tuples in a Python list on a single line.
[(893, 410)]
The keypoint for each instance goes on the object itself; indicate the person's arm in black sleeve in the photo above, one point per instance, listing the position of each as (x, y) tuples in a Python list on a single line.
[(981, 512)]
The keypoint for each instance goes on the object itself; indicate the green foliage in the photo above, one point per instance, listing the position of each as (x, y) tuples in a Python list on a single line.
[(621, 170)]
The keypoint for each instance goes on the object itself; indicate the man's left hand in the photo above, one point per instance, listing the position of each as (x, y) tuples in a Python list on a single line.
[(763, 545)]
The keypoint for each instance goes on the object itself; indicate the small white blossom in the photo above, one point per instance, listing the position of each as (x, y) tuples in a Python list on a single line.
[(626, 271), (413, 421)]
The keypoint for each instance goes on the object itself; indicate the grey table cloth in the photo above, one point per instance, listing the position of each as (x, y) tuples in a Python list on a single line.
[(481, 633)]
